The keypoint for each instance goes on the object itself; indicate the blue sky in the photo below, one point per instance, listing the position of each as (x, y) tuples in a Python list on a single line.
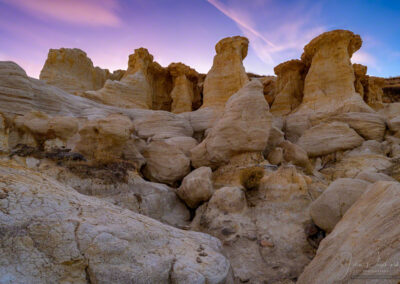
[(187, 30)]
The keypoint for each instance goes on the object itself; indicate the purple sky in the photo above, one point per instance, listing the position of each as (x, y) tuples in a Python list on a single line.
[(187, 30)]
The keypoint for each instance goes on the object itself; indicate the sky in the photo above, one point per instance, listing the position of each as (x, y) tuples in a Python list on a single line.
[(187, 30)]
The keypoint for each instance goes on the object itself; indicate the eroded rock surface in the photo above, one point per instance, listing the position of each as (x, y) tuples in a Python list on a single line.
[(227, 75)]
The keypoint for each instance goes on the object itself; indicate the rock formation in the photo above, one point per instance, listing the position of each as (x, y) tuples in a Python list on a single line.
[(362, 242), (289, 87), (329, 83), (165, 175), (243, 127), (71, 70), (185, 92), (227, 75)]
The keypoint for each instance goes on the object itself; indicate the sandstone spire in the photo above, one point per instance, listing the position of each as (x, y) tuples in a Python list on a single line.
[(289, 86), (227, 75)]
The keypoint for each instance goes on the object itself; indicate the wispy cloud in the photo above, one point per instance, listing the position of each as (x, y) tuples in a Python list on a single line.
[(84, 12), (365, 58), (285, 39)]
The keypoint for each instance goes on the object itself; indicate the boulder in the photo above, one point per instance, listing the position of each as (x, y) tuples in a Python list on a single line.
[(243, 127), (370, 126), (71, 70), (165, 163), (227, 74), (262, 230), (105, 140), (78, 239), (296, 155), (196, 187), (326, 138), (289, 87), (327, 210), (363, 242), (161, 124)]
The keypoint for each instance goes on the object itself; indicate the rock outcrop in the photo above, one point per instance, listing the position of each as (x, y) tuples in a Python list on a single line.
[(71, 70), (329, 83), (76, 238), (363, 243), (227, 75), (196, 187), (326, 138), (289, 87), (327, 210), (185, 92), (243, 127)]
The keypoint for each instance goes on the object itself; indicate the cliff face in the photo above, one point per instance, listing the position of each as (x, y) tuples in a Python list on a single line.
[(163, 175)]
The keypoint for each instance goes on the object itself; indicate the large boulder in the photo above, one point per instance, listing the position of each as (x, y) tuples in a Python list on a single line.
[(363, 246), (243, 127), (71, 70), (327, 138), (289, 87), (196, 187), (370, 126), (106, 140), (165, 163), (52, 234), (227, 75), (262, 229), (327, 210)]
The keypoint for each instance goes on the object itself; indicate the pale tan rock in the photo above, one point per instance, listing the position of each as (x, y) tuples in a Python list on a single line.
[(373, 177), (269, 83), (3, 134), (185, 80), (360, 73), (105, 140), (296, 155), (227, 75), (370, 126), (374, 92), (71, 70), (276, 136), (327, 210), (275, 157), (229, 200), (196, 187), (243, 170), (162, 124), (329, 83), (134, 90), (132, 192), (20, 94), (289, 87), (185, 144), (44, 127), (243, 127), (256, 238), (327, 138), (362, 243), (78, 239), (166, 163)]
